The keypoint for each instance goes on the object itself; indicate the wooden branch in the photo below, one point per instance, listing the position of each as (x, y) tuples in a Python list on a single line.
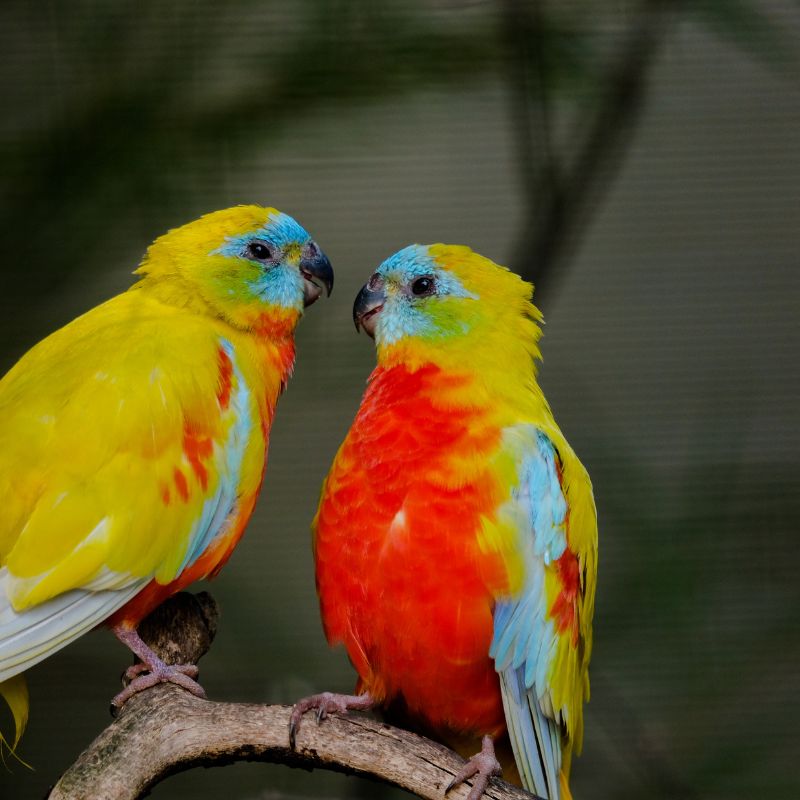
[(166, 730)]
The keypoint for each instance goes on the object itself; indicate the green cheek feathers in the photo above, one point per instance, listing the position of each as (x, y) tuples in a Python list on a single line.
[(441, 315)]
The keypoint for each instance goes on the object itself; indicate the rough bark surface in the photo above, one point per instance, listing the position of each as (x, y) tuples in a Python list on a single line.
[(166, 730)]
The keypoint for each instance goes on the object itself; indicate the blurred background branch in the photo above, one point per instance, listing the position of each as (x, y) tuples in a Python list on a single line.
[(562, 188), (191, 85)]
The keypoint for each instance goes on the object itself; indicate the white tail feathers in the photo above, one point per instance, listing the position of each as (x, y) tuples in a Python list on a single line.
[(27, 637)]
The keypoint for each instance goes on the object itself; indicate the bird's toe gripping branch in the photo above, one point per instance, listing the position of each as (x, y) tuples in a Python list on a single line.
[(482, 766), (324, 704), (130, 674), (151, 671), (156, 672)]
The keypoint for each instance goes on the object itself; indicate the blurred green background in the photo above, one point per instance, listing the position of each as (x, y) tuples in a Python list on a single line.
[(639, 160)]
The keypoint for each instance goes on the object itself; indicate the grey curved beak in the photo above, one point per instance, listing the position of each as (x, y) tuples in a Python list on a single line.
[(368, 304), (317, 274)]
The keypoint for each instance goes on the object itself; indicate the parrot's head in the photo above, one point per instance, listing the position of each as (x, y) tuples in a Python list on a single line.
[(434, 302), (254, 267)]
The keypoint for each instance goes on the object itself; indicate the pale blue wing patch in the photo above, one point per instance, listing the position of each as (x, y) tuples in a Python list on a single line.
[(31, 635), (524, 642), (218, 509)]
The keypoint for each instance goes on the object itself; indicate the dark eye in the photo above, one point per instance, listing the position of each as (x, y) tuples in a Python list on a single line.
[(422, 286), (260, 251)]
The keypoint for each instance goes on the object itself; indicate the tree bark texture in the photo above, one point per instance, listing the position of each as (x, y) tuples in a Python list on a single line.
[(165, 730)]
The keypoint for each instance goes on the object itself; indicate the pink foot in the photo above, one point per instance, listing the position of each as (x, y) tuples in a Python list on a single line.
[(137, 669), (156, 671), (327, 703), (484, 765)]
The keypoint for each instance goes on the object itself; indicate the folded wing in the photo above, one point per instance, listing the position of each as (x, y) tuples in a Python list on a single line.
[(542, 633), (125, 442)]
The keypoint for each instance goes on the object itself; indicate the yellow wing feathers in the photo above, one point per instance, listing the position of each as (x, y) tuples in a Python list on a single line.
[(133, 440), (93, 426)]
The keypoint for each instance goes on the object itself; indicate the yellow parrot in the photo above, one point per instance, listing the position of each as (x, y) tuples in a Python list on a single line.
[(133, 441)]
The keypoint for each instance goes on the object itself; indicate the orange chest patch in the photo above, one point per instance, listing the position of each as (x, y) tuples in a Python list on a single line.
[(401, 577)]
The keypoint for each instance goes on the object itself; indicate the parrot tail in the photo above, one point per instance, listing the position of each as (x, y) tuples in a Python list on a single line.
[(566, 794), (15, 692), (29, 636), (535, 737)]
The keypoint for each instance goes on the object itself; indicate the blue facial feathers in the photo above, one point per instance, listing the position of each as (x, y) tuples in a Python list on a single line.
[(415, 261), (280, 230)]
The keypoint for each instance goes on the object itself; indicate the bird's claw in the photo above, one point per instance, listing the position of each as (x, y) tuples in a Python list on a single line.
[(484, 765), (190, 670), (324, 704), (182, 675)]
